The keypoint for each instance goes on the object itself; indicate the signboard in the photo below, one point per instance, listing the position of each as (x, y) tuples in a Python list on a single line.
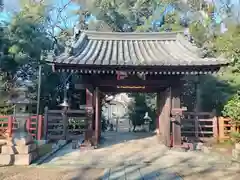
[(131, 87)]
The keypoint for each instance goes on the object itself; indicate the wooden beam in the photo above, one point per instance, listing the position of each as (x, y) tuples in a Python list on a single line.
[(128, 82), (111, 69), (146, 90), (83, 86)]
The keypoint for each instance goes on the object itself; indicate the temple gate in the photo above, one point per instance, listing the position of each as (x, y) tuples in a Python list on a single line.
[(135, 62)]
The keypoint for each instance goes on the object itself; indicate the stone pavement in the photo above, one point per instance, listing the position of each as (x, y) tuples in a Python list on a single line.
[(137, 155), (138, 172), (53, 173)]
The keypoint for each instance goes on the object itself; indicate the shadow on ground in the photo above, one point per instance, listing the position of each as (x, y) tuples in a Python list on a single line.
[(183, 170), (141, 155), (108, 140)]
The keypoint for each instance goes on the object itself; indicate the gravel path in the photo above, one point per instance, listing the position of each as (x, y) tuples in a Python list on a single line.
[(135, 150), (37, 173), (128, 154)]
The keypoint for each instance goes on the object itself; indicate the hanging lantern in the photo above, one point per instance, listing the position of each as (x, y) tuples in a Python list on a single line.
[(64, 103)]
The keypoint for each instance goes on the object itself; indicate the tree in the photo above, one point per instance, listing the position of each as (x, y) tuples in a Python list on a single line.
[(27, 37), (141, 104), (232, 108), (137, 109), (23, 43), (123, 15)]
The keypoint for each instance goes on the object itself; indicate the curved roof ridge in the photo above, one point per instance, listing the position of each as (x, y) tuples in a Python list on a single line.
[(154, 49), (96, 35), (187, 44)]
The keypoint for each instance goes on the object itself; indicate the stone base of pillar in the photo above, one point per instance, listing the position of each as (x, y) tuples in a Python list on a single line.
[(237, 146), (236, 154), (18, 159), (23, 141), (160, 138), (25, 159), (18, 151), (86, 145), (157, 131)]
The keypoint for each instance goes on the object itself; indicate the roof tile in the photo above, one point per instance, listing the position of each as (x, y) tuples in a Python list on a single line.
[(144, 49)]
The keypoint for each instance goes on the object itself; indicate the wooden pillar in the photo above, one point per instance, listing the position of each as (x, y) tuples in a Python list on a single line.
[(65, 124), (176, 123), (161, 100), (198, 95), (91, 105), (10, 126), (97, 108), (158, 113), (197, 107), (99, 117), (164, 116), (39, 127), (45, 123)]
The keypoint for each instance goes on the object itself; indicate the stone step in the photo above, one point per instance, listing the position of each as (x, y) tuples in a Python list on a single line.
[(22, 149), (17, 159)]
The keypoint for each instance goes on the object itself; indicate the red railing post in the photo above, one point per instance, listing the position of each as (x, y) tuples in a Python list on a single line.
[(10, 125), (28, 124), (39, 127)]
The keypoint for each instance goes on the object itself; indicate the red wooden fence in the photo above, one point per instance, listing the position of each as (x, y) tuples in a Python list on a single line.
[(34, 125), (226, 126), (200, 125)]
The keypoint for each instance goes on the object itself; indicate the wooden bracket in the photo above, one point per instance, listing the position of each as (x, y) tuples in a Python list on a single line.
[(121, 75)]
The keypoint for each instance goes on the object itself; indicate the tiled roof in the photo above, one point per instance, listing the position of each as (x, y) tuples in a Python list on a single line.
[(135, 49)]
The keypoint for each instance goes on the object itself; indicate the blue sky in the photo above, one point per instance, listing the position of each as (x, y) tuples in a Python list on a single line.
[(70, 19), (67, 17), (11, 6)]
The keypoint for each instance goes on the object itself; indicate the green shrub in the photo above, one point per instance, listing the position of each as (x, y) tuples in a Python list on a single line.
[(232, 109)]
